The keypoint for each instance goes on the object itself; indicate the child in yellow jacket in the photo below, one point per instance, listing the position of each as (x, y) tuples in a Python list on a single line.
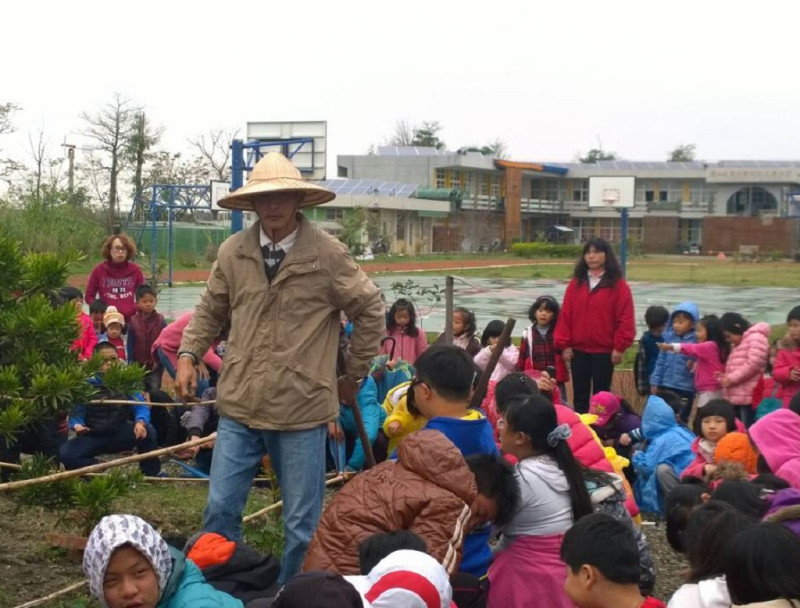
[(399, 421)]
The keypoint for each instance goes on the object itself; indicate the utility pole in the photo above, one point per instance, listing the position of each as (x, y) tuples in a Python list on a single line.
[(71, 171)]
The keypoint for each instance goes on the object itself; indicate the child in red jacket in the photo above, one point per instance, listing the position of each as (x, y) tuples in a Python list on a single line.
[(86, 340), (786, 370), (537, 350)]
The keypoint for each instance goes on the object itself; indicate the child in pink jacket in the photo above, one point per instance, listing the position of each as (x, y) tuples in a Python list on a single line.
[(403, 339), (786, 370), (710, 354), (777, 439), (505, 365), (165, 351), (745, 364)]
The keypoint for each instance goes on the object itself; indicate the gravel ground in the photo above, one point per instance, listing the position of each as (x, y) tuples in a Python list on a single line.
[(670, 566)]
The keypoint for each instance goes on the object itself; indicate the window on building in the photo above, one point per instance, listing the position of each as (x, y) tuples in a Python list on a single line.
[(543, 189), (333, 214), (580, 190), (440, 179), (466, 181), (455, 179), (485, 181), (495, 186)]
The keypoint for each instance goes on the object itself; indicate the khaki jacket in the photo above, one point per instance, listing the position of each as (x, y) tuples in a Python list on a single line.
[(429, 490), (279, 371)]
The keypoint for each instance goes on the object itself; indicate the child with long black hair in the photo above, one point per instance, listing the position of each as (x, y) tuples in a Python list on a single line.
[(403, 337), (537, 350), (711, 424), (465, 326), (527, 570), (710, 353), (506, 364), (761, 568)]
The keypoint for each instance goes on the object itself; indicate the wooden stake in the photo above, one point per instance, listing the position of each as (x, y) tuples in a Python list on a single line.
[(102, 466), (54, 595), (480, 390)]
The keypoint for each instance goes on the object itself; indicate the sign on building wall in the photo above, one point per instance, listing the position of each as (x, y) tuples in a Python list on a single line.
[(730, 175)]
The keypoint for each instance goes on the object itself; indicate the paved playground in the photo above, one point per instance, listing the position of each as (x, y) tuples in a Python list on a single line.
[(503, 298)]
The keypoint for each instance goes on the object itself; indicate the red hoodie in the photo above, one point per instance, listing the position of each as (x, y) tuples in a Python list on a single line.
[(116, 285), (596, 321)]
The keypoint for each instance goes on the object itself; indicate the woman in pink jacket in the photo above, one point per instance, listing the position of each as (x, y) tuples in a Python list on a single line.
[(745, 364), (403, 339), (786, 371)]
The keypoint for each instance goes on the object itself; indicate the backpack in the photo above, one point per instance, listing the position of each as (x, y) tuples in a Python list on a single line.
[(769, 404)]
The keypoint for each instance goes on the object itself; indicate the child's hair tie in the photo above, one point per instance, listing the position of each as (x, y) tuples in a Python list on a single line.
[(561, 433)]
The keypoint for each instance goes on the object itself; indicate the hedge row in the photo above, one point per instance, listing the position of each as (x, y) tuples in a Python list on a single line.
[(546, 250)]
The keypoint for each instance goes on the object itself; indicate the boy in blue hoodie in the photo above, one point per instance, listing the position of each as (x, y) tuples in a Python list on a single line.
[(440, 392), (104, 429), (672, 370), (667, 453)]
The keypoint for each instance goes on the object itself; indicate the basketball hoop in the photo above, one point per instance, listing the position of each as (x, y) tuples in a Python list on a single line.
[(611, 197)]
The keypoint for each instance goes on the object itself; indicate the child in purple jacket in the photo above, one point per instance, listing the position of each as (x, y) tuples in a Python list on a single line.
[(615, 416)]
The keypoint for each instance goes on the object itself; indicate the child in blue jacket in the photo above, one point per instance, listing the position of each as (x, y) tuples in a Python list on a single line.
[(667, 453), (672, 370), (106, 429)]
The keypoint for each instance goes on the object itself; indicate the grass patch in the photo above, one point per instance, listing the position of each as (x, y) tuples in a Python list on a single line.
[(730, 273)]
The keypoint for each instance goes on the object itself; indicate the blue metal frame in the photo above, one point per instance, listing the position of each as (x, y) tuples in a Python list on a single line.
[(170, 197), (255, 153), (623, 248)]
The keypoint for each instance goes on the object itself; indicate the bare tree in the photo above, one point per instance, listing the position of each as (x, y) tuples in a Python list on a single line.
[(215, 148), (683, 153), (140, 143), (7, 166), (403, 134), (111, 128)]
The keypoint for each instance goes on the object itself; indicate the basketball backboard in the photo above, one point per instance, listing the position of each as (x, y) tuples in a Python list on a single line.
[(218, 190), (612, 192), (305, 142)]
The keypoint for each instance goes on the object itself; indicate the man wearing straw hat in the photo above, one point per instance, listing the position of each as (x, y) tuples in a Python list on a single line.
[(282, 283)]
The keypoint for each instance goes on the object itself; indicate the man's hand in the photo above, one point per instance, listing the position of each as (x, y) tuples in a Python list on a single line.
[(616, 357), (664, 346), (348, 389), (186, 379), (394, 428), (566, 354), (335, 431), (140, 430), (625, 439), (80, 429)]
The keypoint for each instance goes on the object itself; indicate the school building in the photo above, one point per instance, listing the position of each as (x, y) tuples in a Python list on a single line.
[(679, 206)]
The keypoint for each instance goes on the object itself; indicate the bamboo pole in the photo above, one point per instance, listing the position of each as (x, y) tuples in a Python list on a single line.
[(10, 465), (102, 466), (54, 595), (132, 402), (279, 504), (480, 390)]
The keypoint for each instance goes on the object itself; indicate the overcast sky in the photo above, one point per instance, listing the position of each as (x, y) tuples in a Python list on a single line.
[(548, 78)]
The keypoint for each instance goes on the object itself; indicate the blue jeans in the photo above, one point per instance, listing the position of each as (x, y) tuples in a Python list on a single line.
[(202, 383), (81, 451), (298, 458)]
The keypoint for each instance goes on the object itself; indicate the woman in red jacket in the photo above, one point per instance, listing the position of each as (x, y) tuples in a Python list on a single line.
[(596, 323), (115, 280)]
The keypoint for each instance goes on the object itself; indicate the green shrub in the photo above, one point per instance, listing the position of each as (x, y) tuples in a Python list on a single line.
[(546, 250)]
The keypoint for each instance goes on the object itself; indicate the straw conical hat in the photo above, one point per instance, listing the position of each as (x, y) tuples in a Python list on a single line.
[(275, 173)]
